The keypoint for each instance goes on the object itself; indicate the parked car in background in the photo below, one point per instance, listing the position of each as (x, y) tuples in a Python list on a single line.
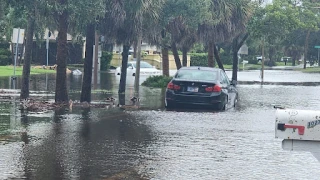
[(205, 86), (145, 69)]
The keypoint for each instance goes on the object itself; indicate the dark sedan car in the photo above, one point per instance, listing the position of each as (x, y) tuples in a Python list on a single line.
[(201, 86)]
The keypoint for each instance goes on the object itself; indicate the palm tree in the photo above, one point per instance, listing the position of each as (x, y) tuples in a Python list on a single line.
[(229, 20), (129, 29), (27, 58), (187, 44), (62, 17), (87, 74)]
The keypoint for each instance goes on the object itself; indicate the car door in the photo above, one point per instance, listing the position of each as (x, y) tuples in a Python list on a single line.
[(232, 91)]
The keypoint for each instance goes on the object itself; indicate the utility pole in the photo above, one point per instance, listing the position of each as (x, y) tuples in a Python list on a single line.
[(262, 62), (137, 74), (95, 70), (47, 47), (16, 54)]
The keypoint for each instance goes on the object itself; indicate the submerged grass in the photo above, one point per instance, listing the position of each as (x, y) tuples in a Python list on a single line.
[(9, 71)]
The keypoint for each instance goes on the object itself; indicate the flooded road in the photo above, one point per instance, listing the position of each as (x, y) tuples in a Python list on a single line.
[(154, 143)]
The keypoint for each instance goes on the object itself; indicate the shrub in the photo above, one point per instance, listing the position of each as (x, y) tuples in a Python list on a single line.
[(157, 81), (226, 58), (270, 63), (5, 57), (252, 61), (199, 59), (4, 45), (105, 60)]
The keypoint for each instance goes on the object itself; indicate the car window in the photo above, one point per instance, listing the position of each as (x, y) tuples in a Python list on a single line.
[(192, 74), (224, 78), (129, 65)]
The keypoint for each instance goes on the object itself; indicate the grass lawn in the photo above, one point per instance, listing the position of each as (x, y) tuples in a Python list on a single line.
[(9, 71), (246, 67), (311, 70)]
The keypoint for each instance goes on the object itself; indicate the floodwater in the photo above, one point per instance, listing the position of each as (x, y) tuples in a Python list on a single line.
[(154, 143)]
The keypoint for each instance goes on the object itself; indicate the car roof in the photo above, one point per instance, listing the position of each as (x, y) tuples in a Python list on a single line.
[(200, 68)]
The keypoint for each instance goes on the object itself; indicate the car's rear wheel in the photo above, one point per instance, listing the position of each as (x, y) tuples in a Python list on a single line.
[(222, 105)]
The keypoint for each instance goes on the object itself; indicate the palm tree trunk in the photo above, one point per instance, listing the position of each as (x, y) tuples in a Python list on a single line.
[(27, 58), (185, 57), (176, 55), (235, 48), (138, 61), (135, 49), (235, 60), (165, 61), (124, 66), (87, 74), (216, 55), (96, 58), (61, 93), (306, 50), (210, 55)]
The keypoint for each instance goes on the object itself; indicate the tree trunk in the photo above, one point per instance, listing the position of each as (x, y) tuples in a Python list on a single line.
[(216, 55), (210, 55), (96, 58), (294, 58), (138, 60), (87, 74), (271, 55), (235, 48), (20, 54), (124, 66), (176, 55), (61, 94), (306, 50), (165, 61), (185, 57), (27, 58), (235, 60), (135, 49), (122, 98)]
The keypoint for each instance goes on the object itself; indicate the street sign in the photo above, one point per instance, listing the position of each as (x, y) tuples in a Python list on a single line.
[(18, 35), (243, 50), (317, 47)]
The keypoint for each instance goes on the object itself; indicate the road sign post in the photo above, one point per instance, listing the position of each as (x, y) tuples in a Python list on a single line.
[(318, 47), (47, 47), (17, 37)]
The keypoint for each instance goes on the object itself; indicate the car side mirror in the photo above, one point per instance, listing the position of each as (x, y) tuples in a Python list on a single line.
[(130, 67)]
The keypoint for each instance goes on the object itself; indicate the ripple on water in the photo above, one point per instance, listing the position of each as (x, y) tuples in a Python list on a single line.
[(236, 144)]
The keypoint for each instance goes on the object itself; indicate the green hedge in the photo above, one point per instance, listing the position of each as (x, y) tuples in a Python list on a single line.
[(105, 60), (4, 45), (226, 58), (5, 57), (199, 59), (157, 81)]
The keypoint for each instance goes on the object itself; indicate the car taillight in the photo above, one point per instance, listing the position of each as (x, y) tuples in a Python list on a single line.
[(215, 88), (173, 86)]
